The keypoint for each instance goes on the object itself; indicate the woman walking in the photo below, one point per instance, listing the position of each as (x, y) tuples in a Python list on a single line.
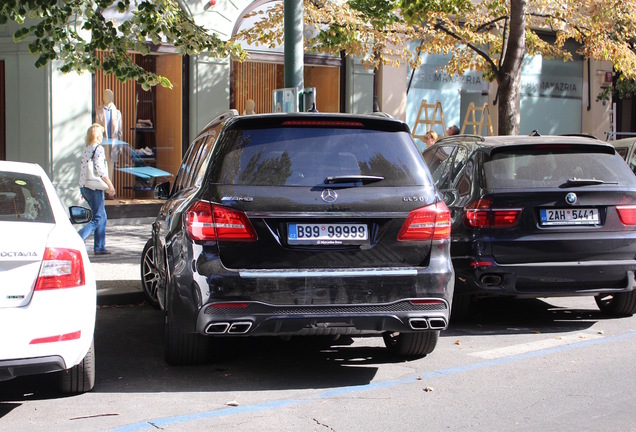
[(95, 197)]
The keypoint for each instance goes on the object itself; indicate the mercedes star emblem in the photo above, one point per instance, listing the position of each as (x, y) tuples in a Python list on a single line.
[(329, 195)]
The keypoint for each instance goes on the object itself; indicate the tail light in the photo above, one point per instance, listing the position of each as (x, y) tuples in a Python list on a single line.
[(480, 214), (206, 221), (427, 223), (627, 214), (61, 268)]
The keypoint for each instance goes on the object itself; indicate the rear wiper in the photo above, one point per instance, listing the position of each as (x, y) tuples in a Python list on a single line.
[(364, 179), (587, 182)]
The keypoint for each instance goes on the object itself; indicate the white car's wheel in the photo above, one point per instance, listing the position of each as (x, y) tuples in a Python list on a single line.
[(81, 377)]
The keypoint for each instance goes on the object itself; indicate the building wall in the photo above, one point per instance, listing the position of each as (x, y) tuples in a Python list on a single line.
[(47, 115), (392, 90), (71, 102)]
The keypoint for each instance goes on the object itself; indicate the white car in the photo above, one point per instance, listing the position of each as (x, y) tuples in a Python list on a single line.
[(47, 285)]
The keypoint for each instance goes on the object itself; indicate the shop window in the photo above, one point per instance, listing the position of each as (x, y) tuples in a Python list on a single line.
[(256, 80), (151, 127)]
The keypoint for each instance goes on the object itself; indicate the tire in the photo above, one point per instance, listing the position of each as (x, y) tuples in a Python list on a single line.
[(184, 348), (81, 377), (149, 274), (412, 344), (617, 304)]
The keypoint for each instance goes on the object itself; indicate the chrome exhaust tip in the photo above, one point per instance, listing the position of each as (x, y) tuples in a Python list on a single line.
[(240, 327), (490, 280), (437, 323), (418, 323), (217, 328)]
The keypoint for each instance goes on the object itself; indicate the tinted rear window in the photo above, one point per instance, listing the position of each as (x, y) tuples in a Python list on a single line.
[(23, 198), (552, 167), (294, 156)]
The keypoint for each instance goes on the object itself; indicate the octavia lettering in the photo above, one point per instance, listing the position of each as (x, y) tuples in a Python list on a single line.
[(17, 254)]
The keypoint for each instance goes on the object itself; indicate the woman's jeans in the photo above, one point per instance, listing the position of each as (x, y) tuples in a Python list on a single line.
[(95, 200)]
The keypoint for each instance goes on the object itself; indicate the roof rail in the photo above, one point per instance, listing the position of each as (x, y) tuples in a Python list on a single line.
[(582, 135), (221, 117), (453, 138), (382, 114)]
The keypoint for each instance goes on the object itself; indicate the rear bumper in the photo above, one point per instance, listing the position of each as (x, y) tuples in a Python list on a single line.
[(297, 301), (547, 279), (10, 369), (257, 318)]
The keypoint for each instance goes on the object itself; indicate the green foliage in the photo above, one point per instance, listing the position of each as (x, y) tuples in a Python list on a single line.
[(415, 10), (71, 31)]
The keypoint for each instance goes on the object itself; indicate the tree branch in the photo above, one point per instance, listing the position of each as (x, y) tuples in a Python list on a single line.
[(472, 46)]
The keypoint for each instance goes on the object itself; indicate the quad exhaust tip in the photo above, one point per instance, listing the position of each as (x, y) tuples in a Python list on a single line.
[(428, 324), (237, 327)]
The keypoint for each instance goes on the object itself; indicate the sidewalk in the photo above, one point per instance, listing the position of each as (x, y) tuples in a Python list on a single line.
[(119, 274)]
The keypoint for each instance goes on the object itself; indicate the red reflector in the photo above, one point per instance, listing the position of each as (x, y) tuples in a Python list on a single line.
[(61, 268), (479, 214), (627, 214), (326, 123), (206, 221), (427, 223), (481, 264), (228, 306), (57, 338), (426, 302)]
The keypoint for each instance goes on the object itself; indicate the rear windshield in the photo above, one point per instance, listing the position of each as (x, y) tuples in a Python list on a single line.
[(23, 198), (293, 156), (532, 167)]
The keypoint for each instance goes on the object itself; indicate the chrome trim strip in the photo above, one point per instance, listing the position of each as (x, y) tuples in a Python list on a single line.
[(573, 263), (350, 272), (326, 215)]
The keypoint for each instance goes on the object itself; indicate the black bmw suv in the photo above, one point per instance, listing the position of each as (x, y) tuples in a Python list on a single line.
[(301, 224), (538, 216)]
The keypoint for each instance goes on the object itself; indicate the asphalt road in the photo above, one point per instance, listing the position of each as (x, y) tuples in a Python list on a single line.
[(525, 366)]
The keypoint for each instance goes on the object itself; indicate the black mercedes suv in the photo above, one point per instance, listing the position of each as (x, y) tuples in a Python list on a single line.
[(301, 224)]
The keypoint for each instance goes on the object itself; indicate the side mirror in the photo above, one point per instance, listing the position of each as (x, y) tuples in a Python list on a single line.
[(80, 215), (162, 190)]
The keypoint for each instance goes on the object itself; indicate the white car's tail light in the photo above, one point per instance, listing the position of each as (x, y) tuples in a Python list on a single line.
[(61, 268), (206, 221), (427, 223)]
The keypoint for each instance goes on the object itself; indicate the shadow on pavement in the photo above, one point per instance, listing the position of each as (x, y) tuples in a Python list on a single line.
[(129, 353)]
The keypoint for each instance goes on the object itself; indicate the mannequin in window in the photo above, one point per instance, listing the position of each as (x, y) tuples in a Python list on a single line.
[(109, 116), (250, 107)]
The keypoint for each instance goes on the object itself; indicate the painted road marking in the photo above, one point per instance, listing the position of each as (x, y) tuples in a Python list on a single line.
[(539, 345)]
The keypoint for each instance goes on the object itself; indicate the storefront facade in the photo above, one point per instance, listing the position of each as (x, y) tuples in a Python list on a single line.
[(44, 114)]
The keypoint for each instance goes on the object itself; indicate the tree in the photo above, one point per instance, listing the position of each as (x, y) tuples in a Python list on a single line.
[(491, 36), (71, 31)]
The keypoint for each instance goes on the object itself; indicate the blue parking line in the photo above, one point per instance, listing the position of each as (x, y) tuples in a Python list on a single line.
[(153, 424)]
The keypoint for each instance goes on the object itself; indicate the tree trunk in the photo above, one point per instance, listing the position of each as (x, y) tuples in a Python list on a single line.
[(509, 75)]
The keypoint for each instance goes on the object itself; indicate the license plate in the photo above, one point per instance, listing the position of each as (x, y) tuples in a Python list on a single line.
[(579, 216), (327, 234)]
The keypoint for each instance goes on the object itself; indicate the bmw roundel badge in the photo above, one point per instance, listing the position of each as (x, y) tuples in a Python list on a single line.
[(571, 198)]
